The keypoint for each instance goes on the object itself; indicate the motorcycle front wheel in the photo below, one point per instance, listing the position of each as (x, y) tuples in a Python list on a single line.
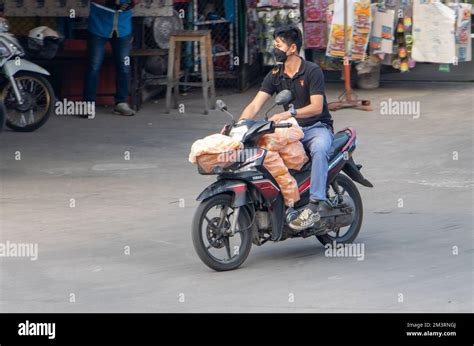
[(214, 246), (37, 106)]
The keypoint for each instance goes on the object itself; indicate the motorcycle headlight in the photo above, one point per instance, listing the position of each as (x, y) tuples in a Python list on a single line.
[(12, 44), (4, 25)]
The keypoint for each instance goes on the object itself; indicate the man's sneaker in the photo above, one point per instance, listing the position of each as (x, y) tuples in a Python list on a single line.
[(123, 108), (306, 219)]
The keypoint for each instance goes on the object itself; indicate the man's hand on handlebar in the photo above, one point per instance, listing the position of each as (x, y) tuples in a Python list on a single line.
[(280, 117), (225, 130), (281, 126)]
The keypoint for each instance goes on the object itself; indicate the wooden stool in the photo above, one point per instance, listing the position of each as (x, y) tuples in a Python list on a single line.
[(174, 65)]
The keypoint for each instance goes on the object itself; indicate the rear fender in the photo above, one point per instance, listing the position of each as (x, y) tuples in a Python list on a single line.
[(352, 170)]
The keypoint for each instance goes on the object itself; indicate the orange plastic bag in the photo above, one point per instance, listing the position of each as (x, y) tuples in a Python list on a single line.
[(289, 189), (274, 164), (282, 136), (271, 142), (294, 155), (288, 185), (213, 144), (208, 161), (289, 134)]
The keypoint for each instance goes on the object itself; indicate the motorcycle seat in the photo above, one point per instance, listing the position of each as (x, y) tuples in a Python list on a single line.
[(340, 139)]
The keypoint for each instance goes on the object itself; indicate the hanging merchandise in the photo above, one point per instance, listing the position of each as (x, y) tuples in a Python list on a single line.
[(433, 32), (336, 47), (272, 15), (251, 36), (315, 10), (315, 23), (358, 29), (463, 30), (381, 40), (360, 35), (404, 40), (315, 34)]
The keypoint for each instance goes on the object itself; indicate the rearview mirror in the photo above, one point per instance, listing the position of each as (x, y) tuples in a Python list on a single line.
[(283, 97), (221, 105)]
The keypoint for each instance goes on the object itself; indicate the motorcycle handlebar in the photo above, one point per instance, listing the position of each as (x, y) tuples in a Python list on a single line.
[(281, 126)]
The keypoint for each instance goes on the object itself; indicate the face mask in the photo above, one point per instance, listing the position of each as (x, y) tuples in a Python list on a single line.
[(280, 56)]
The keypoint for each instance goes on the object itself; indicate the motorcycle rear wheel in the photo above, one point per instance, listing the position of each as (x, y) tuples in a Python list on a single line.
[(346, 184), (213, 239)]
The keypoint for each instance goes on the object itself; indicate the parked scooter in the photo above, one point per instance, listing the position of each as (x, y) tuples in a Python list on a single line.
[(245, 205), (26, 94)]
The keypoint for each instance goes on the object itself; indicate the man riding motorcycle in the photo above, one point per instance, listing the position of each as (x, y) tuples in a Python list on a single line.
[(306, 81)]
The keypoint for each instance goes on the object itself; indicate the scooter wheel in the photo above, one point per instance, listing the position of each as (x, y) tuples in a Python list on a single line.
[(214, 246), (347, 185)]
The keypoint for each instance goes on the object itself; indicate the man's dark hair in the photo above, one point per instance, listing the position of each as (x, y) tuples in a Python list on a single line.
[(290, 34)]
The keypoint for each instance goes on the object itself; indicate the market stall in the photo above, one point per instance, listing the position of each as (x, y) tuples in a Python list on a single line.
[(68, 63), (393, 35), (387, 35)]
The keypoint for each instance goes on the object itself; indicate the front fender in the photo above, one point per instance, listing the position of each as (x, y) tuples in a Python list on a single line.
[(11, 68), (238, 188)]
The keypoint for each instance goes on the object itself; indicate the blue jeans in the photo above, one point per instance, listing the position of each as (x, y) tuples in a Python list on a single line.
[(318, 140), (121, 52)]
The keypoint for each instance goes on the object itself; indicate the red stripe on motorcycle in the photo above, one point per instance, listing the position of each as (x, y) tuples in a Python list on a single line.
[(267, 188), (349, 142), (239, 188), (304, 185)]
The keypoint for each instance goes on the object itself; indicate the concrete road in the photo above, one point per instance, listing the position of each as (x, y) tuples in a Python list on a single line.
[(72, 192)]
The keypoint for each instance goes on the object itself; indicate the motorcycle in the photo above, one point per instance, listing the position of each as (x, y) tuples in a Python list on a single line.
[(245, 205), (27, 95)]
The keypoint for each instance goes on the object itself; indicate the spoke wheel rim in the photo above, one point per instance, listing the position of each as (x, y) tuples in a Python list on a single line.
[(340, 232), (220, 246), (35, 92)]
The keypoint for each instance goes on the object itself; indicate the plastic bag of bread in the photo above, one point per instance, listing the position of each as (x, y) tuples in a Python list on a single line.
[(294, 155), (289, 134), (271, 142), (208, 161), (274, 164), (289, 189), (213, 144), (282, 136), (288, 185)]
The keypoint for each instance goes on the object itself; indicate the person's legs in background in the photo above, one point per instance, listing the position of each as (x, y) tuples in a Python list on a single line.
[(96, 52), (318, 139), (121, 47)]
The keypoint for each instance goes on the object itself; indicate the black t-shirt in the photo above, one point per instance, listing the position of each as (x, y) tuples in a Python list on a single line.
[(309, 80)]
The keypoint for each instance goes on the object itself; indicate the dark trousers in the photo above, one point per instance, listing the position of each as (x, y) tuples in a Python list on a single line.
[(121, 47)]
